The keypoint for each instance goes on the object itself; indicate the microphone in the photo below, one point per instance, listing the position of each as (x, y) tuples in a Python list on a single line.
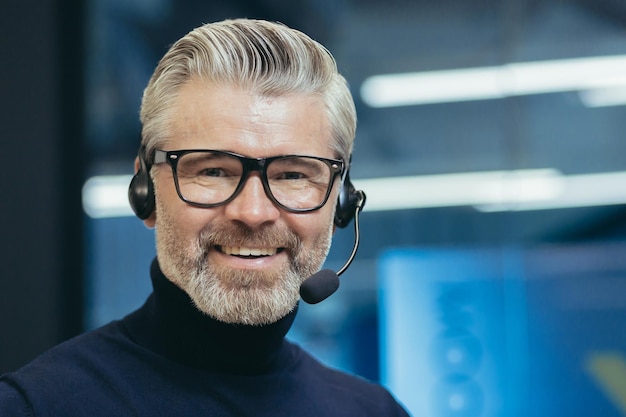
[(324, 283)]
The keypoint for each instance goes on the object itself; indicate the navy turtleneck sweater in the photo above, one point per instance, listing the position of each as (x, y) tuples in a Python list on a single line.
[(169, 359)]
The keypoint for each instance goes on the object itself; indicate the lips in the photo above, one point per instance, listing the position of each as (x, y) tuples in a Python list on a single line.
[(243, 251)]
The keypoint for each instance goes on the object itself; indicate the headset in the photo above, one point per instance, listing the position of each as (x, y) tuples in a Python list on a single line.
[(141, 188), (141, 194), (315, 288)]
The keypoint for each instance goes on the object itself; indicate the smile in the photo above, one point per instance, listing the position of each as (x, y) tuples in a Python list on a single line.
[(243, 251)]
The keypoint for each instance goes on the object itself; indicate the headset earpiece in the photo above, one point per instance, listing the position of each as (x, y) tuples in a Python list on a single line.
[(141, 189), (350, 200)]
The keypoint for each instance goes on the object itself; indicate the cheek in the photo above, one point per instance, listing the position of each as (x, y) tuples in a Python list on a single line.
[(176, 219), (183, 221), (312, 226)]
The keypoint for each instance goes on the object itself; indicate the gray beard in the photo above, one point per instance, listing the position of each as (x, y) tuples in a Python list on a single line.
[(246, 300), (239, 296)]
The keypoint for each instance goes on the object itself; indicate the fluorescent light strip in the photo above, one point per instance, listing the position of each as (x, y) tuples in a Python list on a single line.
[(515, 79), (496, 190), (464, 189), (599, 189), (537, 189), (107, 196)]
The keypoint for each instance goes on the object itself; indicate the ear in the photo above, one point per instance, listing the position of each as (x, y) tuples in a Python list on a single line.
[(150, 221)]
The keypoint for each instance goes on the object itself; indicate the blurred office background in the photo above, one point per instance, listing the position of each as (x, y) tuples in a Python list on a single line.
[(491, 276)]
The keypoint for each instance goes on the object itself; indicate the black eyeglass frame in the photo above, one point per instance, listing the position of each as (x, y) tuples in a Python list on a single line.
[(337, 168)]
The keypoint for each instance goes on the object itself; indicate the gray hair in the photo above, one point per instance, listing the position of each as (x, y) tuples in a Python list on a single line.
[(267, 58)]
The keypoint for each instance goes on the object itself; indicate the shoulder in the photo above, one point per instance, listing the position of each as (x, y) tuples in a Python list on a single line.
[(13, 403), (351, 393), (70, 369), (72, 355)]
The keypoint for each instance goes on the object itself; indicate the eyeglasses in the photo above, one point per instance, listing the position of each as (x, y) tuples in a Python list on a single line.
[(208, 178)]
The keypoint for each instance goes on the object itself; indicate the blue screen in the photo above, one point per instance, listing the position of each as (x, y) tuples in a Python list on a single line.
[(505, 332)]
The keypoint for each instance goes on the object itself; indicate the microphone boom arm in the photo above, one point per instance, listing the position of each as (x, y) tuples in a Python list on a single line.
[(357, 234), (324, 283)]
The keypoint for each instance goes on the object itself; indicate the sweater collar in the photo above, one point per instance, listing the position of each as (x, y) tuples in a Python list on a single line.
[(172, 326)]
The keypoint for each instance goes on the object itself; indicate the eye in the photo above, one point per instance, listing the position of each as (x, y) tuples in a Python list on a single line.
[(295, 169), (292, 175), (208, 165), (212, 172)]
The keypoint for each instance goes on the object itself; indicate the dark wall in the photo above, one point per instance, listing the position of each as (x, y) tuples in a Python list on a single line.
[(40, 176)]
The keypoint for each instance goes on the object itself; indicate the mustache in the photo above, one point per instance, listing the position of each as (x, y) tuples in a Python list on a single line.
[(239, 234)]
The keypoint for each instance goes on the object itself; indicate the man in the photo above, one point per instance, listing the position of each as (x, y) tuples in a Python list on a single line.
[(247, 134)]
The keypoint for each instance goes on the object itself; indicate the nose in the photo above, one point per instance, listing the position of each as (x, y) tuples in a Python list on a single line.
[(252, 206)]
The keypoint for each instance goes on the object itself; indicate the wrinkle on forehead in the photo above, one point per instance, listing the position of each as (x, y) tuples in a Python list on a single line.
[(210, 113)]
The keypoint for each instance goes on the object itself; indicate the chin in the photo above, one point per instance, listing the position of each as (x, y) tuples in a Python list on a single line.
[(247, 305)]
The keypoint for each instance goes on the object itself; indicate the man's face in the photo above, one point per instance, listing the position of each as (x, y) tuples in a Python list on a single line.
[(205, 251)]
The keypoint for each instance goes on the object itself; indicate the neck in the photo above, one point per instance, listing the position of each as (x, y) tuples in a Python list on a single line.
[(172, 326)]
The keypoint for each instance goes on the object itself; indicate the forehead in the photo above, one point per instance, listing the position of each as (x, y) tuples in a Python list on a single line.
[(209, 116)]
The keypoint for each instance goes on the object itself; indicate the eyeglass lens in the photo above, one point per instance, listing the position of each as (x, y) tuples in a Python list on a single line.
[(295, 182)]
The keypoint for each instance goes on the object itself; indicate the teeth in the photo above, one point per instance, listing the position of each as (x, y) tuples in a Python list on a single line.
[(241, 251)]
